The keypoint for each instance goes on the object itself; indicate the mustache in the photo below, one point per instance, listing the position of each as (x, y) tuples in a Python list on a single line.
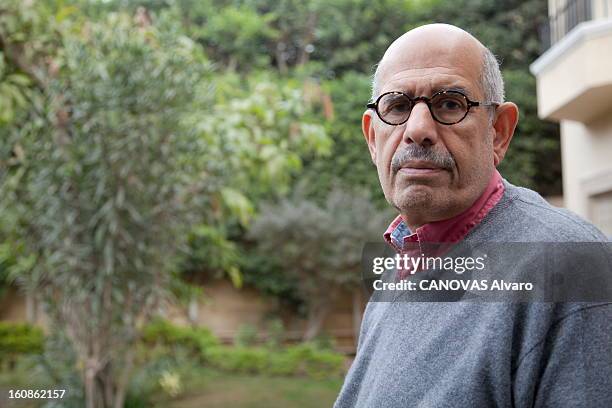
[(415, 151)]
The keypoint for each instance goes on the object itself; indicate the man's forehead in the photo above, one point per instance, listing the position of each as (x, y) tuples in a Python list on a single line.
[(415, 82), (434, 50)]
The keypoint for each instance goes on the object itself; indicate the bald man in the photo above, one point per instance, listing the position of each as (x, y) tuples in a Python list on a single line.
[(437, 128)]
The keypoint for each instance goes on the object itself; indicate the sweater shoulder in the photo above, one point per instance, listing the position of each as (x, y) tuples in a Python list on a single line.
[(524, 215)]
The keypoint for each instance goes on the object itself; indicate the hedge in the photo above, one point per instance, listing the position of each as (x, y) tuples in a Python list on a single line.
[(20, 338), (299, 360), (195, 339)]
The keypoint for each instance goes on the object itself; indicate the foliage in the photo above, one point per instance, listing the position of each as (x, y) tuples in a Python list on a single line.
[(511, 31), (345, 38), (170, 383), (212, 252), (301, 360), (267, 129), (193, 339), (19, 338), (324, 341), (319, 246), (6, 261), (181, 345), (265, 273), (242, 49), (141, 138), (342, 40), (13, 90), (533, 158), (246, 335), (103, 226), (275, 333), (349, 162), (207, 387), (268, 126)]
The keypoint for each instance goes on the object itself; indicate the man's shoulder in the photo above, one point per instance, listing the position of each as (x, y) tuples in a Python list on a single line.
[(524, 215)]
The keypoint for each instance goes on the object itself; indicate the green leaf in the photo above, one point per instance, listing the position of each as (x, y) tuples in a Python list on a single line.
[(238, 204)]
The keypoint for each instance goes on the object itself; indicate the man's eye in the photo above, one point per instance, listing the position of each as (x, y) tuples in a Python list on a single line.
[(449, 104), (399, 107)]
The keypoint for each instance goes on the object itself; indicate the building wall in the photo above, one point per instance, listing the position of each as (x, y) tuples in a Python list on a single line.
[(574, 86), (587, 166), (576, 83)]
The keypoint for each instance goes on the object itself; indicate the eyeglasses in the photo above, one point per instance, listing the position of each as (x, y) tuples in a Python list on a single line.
[(446, 107)]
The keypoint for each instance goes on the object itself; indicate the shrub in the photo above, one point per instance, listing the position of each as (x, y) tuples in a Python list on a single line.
[(239, 359), (316, 363), (303, 360), (307, 359), (324, 342), (195, 339), (246, 335), (276, 333), (283, 364), (19, 338)]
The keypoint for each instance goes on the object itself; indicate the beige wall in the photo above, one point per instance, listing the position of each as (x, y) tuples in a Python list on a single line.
[(601, 9), (13, 306), (574, 86), (225, 309), (574, 78), (587, 164)]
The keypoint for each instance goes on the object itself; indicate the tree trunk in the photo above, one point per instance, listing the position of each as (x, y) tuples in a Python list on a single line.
[(308, 39), (90, 385), (122, 382), (107, 385), (192, 310), (30, 307), (281, 61), (316, 317)]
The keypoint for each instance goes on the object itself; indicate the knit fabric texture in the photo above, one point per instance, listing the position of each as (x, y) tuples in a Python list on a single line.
[(489, 354)]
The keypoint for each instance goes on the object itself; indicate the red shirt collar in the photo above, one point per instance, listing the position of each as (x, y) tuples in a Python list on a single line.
[(451, 230)]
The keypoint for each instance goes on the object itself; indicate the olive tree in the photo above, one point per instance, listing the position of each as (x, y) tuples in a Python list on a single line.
[(106, 182), (319, 245)]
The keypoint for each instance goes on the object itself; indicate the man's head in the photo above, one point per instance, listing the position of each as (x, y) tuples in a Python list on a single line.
[(428, 170)]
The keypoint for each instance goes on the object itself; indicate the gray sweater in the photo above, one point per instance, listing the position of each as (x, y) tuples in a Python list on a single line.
[(489, 354)]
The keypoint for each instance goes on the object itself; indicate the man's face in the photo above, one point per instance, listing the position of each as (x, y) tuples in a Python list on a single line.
[(430, 171)]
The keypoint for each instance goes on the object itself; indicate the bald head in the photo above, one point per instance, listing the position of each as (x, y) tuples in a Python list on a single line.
[(445, 45)]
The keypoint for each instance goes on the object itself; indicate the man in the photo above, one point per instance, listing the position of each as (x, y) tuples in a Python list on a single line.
[(436, 129)]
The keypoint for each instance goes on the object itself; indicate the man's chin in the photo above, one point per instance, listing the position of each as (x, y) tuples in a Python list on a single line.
[(414, 198)]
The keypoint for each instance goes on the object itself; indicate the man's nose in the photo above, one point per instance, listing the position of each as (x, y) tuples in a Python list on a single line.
[(421, 127)]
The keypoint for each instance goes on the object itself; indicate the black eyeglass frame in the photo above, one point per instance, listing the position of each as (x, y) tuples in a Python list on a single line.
[(414, 101)]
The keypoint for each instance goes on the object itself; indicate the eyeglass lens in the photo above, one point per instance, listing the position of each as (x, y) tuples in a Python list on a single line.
[(446, 107)]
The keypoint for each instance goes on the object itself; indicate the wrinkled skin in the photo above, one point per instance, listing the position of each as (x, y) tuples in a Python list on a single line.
[(420, 63)]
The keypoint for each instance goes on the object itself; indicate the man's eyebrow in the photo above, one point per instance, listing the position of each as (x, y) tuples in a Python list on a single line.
[(457, 88), (453, 88)]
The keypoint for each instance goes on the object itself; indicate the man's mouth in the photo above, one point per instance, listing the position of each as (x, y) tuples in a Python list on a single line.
[(418, 167)]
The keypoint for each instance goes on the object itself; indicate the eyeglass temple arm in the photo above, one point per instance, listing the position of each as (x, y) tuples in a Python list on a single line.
[(471, 103)]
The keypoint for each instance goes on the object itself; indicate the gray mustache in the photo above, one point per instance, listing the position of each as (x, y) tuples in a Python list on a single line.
[(415, 151)]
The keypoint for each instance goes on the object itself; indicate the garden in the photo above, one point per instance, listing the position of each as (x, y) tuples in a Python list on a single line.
[(186, 367), (151, 147)]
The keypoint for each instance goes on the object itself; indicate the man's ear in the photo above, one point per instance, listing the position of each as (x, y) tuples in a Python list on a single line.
[(506, 118), (368, 132)]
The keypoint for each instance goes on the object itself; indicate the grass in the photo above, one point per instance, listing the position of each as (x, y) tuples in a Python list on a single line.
[(212, 389), (203, 387)]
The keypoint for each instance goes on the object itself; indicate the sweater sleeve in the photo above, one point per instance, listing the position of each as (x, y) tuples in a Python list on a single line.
[(572, 366)]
